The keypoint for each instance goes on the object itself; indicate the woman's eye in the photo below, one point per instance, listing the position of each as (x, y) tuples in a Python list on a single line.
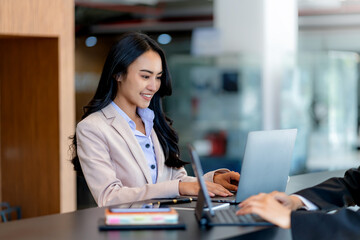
[(145, 77), (158, 78)]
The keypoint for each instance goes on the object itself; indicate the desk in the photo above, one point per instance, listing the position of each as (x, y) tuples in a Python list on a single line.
[(83, 224), (302, 181)]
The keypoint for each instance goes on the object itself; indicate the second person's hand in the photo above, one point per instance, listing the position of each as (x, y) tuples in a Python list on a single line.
[(291, 202), (267, 207)]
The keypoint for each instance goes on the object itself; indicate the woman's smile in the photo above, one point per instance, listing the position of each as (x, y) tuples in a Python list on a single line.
[(146, 96)]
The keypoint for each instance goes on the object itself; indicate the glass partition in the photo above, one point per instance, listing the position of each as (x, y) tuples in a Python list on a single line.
[(322, 100), (216, 101)]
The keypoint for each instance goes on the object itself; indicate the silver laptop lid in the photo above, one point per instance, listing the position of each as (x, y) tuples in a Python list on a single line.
[(266, 163)]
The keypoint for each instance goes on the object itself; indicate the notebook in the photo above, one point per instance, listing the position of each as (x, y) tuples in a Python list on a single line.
[(221, 217), (266, 164)]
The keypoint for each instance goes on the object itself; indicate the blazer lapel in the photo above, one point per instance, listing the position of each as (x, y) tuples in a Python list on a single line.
[(123, 128)]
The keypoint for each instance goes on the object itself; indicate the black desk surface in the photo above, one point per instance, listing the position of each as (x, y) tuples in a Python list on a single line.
[(83, 224)]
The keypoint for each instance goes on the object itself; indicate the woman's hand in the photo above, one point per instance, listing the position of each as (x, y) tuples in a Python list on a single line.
[(228, 180), (192, 188), (267, 207)]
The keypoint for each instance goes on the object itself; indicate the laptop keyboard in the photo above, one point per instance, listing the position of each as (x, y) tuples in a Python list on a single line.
[(229, 216)]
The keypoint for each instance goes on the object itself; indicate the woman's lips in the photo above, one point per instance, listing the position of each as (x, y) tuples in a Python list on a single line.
[(146, 96)]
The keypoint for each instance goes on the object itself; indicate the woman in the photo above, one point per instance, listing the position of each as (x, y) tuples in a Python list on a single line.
[(126, 146)]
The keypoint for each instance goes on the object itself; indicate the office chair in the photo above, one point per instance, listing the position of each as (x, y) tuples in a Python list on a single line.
[(7, 210)]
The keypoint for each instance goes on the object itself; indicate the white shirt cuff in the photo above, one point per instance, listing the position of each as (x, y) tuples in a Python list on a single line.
[(308, 205)]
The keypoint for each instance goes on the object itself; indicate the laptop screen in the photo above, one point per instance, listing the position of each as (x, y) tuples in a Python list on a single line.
[(266, 163), (267, 154)]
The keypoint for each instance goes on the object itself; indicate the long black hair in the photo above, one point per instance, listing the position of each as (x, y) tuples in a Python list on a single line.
[(121, 55)]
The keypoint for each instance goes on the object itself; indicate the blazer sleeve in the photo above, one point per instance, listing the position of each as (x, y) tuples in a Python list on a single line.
[(335, 192), (344, 224), (100, 175), (181, 174)]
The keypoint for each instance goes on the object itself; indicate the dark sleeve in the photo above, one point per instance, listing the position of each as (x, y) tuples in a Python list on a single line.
[(344, 224), (335, 192)]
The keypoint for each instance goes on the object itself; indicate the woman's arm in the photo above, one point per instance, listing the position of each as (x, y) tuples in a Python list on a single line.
[(113, 174), (189, 186)]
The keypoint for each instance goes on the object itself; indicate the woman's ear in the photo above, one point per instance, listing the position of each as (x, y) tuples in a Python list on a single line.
[(117, 77)]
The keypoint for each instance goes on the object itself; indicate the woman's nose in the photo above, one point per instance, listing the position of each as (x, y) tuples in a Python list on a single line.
[(154, 84)]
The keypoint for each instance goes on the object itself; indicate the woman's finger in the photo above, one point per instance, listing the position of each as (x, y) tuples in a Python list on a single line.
[(218, 189), (229, 186)]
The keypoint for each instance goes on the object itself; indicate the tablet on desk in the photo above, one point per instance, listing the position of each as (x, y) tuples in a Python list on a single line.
[(140, 218), (104, 227)]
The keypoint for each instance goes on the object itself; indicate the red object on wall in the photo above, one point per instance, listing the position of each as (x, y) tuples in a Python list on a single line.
[(218, 143)]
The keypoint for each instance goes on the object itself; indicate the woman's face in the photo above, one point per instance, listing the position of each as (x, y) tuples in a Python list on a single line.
[(141, 82)]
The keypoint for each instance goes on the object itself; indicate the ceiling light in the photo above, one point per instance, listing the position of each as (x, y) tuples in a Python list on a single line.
[(91, 41), (164, 38)]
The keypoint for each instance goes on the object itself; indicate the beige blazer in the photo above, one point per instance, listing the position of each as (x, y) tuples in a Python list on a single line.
[(114, 165)]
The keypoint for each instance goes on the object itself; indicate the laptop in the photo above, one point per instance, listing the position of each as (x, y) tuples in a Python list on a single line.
[(220, 217), (266, 164)]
